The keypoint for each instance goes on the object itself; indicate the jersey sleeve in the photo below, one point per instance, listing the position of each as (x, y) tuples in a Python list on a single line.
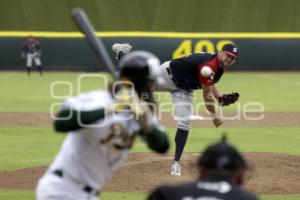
[(37, 44), (157, 140), (213, 65), (72, 120), (25, 45), (85, 110)]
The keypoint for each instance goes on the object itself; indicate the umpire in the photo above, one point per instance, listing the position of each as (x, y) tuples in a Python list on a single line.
[(221, 173)]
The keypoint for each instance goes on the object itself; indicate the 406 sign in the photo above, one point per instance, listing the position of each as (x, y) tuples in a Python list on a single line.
[(187, 47)]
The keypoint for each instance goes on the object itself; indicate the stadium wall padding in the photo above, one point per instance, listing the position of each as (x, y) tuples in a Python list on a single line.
[(154, 15), (74, 54)]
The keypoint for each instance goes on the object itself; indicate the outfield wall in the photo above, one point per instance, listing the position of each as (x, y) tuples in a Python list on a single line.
[(69, 51), (154, 15)]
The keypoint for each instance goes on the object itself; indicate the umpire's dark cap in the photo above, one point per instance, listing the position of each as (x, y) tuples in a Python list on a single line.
[(222, 156), (231, 49)]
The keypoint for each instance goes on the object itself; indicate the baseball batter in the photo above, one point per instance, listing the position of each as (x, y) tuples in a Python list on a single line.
[(102, 126), (32, 52), (184, 75)]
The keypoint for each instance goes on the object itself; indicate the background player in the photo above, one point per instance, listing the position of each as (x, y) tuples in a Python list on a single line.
[(221, 171), (32, 52), (184, 75), (97, 145)]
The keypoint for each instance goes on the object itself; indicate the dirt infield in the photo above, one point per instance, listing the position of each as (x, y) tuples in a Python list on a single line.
[(273, 174), (13, 119), (270, 119)]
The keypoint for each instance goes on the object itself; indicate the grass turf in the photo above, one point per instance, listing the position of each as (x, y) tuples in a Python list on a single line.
[(26, 147), (38, 145), (35, 146), (29, 195), (34, 94), (276, 91)]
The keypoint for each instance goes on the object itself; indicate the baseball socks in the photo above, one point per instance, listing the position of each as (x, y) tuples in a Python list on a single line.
[(28, 71), (40, 70), (180, 140)]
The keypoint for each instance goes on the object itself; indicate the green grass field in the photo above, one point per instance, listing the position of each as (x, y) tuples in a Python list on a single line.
[(28, 195), (276, 91), (22, 147)]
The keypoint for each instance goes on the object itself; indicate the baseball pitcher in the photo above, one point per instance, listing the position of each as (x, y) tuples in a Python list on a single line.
[(32, 53), (184, 75), (102, 126)]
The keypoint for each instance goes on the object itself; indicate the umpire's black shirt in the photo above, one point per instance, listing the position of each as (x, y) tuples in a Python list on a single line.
[(213, 188)]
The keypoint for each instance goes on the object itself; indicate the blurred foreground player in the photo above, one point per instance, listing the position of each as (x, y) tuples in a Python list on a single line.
[(221, 173), (102, 126)]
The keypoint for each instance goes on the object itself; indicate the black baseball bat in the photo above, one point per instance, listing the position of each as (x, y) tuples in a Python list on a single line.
[(84, 25)]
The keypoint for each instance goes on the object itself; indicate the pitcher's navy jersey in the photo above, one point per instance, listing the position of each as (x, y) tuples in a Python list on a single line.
[(212, 189), (187, 70), (31, 45)]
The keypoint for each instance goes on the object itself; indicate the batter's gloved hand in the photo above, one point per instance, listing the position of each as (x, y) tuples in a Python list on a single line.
[(123, 100), (144, 117), (126, 100), (227, 99)]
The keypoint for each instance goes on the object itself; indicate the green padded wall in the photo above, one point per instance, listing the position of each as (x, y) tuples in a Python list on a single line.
[(154, 15)]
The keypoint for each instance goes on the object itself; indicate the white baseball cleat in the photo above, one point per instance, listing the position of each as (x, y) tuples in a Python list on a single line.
[(176, 169), (125, 47)]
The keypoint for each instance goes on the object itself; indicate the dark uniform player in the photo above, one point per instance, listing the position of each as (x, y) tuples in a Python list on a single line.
[(32, 52), (198, 71), (222, 169), (184, 75)]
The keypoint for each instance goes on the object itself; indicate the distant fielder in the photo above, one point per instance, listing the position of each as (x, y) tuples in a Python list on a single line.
[(184, 75), (32, 53)]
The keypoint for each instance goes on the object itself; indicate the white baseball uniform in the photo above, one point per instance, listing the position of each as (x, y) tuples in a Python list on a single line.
[(33, 57), (88, 156), (182, 99), (32, 50)]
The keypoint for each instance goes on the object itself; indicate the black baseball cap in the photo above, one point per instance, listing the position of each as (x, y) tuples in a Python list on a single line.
[(222, 156), (231, 49)]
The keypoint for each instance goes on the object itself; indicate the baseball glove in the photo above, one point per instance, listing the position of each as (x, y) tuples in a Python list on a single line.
[(227, 99)]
